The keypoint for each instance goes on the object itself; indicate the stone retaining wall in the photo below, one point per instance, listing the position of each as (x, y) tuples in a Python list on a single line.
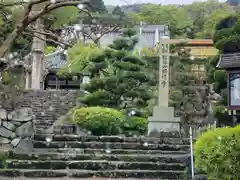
[(17, 129)]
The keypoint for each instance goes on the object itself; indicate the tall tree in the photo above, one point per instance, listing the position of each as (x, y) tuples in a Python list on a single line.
[(118, 78)]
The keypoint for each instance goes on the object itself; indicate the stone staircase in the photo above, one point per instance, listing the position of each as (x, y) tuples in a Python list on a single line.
[(48, 106), (85, 157)]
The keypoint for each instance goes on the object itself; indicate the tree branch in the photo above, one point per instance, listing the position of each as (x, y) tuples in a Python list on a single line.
[(29, 18), (64, 45)]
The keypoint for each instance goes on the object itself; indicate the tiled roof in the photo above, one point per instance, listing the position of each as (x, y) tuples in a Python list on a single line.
[(55, 60), (229, 61)]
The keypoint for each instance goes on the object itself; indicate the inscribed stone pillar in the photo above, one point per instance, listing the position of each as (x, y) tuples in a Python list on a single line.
[(163, 119)]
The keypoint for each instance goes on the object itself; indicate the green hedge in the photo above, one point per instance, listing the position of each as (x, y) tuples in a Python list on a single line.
[(107, 121), (99, 120), (217, 153), (135, 125)]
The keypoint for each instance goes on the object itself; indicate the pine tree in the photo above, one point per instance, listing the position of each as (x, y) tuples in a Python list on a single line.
[(118, 78), (118, 11)]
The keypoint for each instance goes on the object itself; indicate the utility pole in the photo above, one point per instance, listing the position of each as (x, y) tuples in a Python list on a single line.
[(37, 54)]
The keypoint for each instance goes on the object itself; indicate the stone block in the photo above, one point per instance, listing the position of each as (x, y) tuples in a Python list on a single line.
[(15, 142), (163, 120), (24, 145), (4, 140), (8, 125), (7, 133), (3, 114), (165, 113), (25, 130)]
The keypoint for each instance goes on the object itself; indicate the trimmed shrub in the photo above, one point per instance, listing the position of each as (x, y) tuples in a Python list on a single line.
[(135, 125), (217, 153), (99, 120)]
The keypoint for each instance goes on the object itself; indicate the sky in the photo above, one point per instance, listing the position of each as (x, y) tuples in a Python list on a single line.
[(123, 2)]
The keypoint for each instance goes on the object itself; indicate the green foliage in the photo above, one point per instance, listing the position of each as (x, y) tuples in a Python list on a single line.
[(118, 78), (108, 121), (227, 22), (3, 157), (99, 120), (217, 153), (79, 57), (50, 49), (97, 6), (218, 78), (227, 35), (67, 15), (135, 125), (158, 14), (10, 17), (118, 11), (64, 16), (211, 22), (196, 20), (187, 101)]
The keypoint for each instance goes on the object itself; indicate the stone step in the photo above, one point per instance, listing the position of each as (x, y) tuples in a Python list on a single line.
[(109, 145), (96, 165), (109, 151), (43, 123), (70, 137), (107, 157), (156, 174)]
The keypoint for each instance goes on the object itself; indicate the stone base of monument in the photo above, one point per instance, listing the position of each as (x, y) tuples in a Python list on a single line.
[(163, 120)]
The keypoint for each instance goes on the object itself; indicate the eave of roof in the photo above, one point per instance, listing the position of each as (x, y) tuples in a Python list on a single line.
[(230, 60)]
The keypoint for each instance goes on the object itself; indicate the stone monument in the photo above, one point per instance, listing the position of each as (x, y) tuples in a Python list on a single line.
[(163, 119)]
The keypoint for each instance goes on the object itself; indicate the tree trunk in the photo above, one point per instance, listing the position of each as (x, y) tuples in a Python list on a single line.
[(8, 42)]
